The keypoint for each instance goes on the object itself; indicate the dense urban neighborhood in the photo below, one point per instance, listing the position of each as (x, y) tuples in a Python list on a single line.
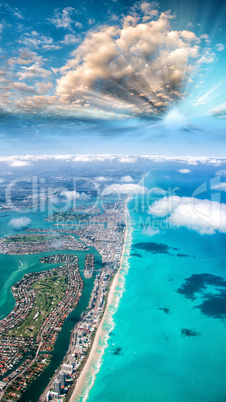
[(43, 300)]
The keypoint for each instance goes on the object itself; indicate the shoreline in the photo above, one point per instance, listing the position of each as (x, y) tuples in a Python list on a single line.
[(84, 376)]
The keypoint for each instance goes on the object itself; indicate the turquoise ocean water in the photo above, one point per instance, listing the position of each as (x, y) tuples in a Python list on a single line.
[(162, 346)]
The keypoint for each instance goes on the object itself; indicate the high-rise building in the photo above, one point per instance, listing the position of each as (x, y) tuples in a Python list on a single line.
[(62, 377), (57, 386), (68, 368)]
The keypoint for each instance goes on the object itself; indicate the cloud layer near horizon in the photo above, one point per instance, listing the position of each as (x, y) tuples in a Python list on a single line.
[(18, 161)]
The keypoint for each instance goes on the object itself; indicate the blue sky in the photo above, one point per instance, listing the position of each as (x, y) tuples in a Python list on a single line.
[(113, 77)]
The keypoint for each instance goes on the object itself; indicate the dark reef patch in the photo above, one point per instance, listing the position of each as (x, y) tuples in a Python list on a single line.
[(136, 255), (166, 310), (182, 255), (158, 248), (189, 332), (214, 301), (199, 282), (214, 305), (155, 248), (117, 351)]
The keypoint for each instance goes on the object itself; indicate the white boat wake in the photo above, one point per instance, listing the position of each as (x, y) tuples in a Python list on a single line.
[(21, 265)]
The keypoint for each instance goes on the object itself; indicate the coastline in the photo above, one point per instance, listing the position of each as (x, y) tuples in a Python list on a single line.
[(88, 373)]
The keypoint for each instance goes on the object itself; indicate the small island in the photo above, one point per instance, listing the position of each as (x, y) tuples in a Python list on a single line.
[(39, 242), (66, 216)]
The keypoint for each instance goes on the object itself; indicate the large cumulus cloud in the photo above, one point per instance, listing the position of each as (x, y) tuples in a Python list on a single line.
[(139, 68), (203, 216)]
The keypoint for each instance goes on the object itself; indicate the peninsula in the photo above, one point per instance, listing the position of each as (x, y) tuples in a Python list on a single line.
[(28, 334)]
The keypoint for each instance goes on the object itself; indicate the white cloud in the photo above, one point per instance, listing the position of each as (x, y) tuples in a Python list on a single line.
[(219, 111), (14, 10), (189, 160), (70, 195), (124, 189), (90, 158), (22, 88), (219, 47), (25, 57), (78, 25), (35, 70), (19, 223), (127, 159), (150, 231), (221, 173), (157, 191), (220, 186), (138, 68), (62, 19), (184, 171), (127, 179), (18, 13), (37, 40), (74, 195), (101, 179), (205, 37), (57, 244), (203, 216), (70, 39), (208, 57), (19, 163)]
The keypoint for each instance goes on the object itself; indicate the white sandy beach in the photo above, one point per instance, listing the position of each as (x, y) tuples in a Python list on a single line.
[(99, 334)]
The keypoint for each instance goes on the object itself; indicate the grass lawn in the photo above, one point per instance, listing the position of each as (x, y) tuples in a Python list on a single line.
[(33, 238), (49, 292)]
